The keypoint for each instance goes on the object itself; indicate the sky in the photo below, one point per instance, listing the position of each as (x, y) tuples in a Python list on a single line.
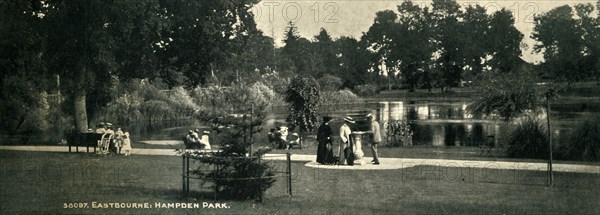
[(353, 17)]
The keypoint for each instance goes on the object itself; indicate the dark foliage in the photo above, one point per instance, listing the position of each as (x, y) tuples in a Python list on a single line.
[(303, 95), (583, 143), (528, 140), (238, 175)]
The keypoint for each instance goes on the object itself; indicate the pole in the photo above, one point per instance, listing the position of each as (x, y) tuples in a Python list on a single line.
[(289, 172), (183, 176), (260, 191), (251, 129), (187, 182), (550, 176), (216, 166)]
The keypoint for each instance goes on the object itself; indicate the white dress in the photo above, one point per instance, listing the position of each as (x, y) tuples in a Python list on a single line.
[(204, 141), (126, 142)]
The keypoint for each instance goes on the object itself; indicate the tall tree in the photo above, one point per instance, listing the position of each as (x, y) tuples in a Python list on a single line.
[(449, 41), (23, 75), (204, 35), (475, 27), (94, 43), (252, 60), (136, 30), (353, 62), (325, 51), (412, 46), (404, 41), (504, 42), (80, 47), (300, 54), (378, 41), (591, 39), (560, 39)]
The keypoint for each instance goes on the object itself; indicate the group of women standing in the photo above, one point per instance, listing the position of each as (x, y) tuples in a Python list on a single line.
[(325, 148)]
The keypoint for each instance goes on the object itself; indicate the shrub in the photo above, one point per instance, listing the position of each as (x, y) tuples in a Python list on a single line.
[(399, 133), (180, 99), (261, 94), (528, 140), (583, 143), (124, 109), (366, 89), (339, 97), (24, 108), (208, 98), (303, 96), (330, 83), (234, 166), (276, 81), (141, 99)]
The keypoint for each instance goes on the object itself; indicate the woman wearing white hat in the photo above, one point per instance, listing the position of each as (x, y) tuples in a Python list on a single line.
[(345, 135)]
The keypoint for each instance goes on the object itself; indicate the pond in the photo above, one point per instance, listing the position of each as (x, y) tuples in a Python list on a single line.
[(434, 122), (447, 123)]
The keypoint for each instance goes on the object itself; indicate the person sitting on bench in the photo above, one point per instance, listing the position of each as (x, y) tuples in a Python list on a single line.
[(191, 140), (204, 141), (280, 138)]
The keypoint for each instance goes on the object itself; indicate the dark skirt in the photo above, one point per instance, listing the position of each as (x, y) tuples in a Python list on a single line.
[(324, 155)]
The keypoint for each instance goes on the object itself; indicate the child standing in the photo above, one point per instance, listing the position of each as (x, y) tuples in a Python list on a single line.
[(127, 144)]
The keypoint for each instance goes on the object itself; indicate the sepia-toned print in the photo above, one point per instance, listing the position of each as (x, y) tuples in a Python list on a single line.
[(299, 107)]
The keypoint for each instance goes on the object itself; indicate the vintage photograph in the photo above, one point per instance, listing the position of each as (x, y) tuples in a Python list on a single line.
[(299, 107)]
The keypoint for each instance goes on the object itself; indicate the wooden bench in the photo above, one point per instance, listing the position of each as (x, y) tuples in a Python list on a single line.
[(83, 139)]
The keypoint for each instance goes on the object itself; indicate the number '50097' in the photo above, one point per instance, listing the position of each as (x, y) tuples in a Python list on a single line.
[(75, 205)]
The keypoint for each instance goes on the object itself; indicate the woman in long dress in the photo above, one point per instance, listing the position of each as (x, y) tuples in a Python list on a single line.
[(325, 149)]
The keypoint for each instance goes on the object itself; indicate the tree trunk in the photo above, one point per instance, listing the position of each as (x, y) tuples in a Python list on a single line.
[(81, 121)]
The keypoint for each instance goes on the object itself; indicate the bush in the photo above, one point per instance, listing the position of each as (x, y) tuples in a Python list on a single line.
[(261, 94), (583, 143), (339, 97), (124, 109), (211, 97), (245, 168), (528, 140), (303, 96), (234, 166), (24, 108), (140, 99), (330, 83), (399, 133), (366, 90)]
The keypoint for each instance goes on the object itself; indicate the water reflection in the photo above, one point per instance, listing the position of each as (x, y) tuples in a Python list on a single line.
[(438, 124)]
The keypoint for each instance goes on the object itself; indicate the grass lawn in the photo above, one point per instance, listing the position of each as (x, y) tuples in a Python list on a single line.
[(40, 182)]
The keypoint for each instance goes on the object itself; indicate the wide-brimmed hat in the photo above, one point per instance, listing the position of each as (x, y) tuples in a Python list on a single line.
[(190, 131), (349, 119), (108, 124), (326, 119), (206, 132), (101, 123), (370, 116)]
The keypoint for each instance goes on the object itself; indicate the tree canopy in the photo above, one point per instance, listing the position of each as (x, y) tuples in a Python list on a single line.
[(570, 45)]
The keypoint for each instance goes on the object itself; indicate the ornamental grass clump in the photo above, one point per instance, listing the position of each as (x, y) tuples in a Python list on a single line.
[(583, 143), (528, 140)]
